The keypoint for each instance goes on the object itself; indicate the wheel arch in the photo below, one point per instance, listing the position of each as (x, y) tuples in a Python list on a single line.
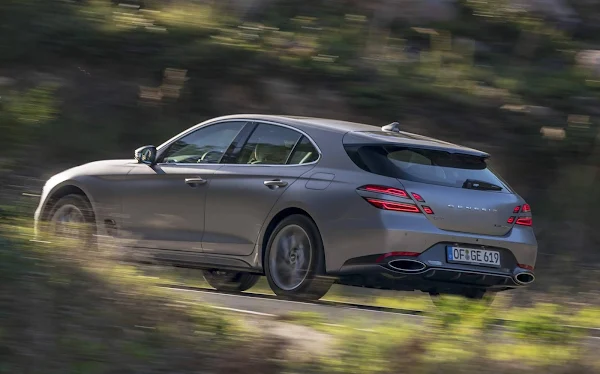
[(62, 190), (277, 218)]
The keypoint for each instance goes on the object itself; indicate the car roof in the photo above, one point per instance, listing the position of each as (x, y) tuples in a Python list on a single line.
[(364, 132), (322, 123)]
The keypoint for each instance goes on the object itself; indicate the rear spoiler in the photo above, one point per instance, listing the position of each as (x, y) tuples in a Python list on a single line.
[(411, 140)]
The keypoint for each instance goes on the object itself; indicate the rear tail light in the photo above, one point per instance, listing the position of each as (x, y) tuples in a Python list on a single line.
[(408, 207), (386, 190), (524, 221), (526, 267), (417, 197), (394, 254), (392, 205)]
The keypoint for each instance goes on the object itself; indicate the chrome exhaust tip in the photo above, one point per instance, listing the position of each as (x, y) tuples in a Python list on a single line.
[(406, 265), (524, 278)]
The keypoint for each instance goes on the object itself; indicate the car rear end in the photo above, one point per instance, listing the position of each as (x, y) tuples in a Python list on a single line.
[(450, 223)]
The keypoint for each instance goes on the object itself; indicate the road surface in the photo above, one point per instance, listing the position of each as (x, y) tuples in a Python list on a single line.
[(270, 306), (334, 312)]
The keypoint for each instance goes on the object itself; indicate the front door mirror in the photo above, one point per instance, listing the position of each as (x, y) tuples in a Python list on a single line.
[(146, 155)]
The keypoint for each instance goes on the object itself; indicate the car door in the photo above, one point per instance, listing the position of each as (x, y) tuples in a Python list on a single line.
[(242, 193), (164, 204)]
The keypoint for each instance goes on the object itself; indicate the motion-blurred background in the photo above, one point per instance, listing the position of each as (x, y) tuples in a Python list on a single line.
[(83, 80), (91, 79)]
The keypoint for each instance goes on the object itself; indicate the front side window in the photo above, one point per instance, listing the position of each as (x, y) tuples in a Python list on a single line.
[(205, 145), (269, 144)]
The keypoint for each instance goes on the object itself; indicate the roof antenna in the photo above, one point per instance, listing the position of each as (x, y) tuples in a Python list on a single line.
[(392, 127)]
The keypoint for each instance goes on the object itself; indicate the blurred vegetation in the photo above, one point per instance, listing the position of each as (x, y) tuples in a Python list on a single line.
[(491, 55), (86, 80), (541, 315), (70, 310), (67, 309), (89, 79)]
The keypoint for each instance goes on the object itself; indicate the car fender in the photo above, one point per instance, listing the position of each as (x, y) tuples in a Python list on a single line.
[(296, 190)]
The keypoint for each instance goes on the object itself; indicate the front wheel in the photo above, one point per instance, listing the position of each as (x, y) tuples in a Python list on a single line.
[(72, 218), (295, 260), (230, 281)]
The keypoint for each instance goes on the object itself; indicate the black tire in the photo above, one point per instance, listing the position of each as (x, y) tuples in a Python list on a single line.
[(230, 281), (84, 231), (314, 284)]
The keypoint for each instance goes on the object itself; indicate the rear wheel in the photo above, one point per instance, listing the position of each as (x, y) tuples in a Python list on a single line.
[(72, 219), (230, 281), (295, 260)]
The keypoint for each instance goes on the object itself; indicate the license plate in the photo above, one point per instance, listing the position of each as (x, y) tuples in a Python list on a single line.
[(473, 256)]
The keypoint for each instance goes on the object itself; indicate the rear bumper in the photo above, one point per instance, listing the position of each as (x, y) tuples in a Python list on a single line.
[(433, 276), (348, 238)]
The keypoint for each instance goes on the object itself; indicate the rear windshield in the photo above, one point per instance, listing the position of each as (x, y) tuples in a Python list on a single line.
[(426, 166)]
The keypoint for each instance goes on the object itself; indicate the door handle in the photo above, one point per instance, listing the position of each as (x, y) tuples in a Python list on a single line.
[(275, 183), (195, 181)]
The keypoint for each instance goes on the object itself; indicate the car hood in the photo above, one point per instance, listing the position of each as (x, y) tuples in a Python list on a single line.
[(96, 168)]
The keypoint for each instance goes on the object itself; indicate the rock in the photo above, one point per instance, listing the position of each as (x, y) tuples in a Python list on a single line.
[(554, 133), (590, 60)]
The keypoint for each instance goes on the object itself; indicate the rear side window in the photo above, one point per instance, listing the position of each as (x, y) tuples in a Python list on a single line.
[(304, 153), (424, 165), (269, 144)]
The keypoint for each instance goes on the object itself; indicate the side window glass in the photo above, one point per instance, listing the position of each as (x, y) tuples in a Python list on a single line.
[(205, 145), (269, 144), (304, 153)]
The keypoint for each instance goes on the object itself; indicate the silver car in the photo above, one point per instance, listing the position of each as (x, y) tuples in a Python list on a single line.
[(306, 202)]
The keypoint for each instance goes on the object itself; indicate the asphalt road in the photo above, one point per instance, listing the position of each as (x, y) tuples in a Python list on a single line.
[(270, 306), (262, 312)]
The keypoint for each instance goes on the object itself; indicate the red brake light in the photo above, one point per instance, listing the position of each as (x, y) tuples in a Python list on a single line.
[(517, 209), (386, 190), (527, 267), (418, 197), (524, 221), (427, 209), (391, 205), (526, 208), (511, 220), (390, 254)]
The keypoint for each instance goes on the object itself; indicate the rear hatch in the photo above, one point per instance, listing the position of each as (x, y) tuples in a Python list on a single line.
[(468, 211), (462, 192)]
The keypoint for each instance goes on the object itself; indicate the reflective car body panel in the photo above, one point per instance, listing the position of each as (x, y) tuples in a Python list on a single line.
[(238, 204)]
